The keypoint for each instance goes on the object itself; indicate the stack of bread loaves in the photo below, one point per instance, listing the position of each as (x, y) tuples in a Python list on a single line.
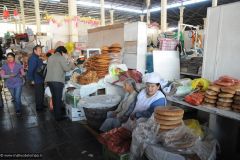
[(225, 98), (236, 100), (115, 48), (210, 97), (105, 50), (168, 117)]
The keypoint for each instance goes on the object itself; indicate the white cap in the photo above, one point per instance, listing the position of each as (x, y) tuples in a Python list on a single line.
[(152, 78), (8, 51)]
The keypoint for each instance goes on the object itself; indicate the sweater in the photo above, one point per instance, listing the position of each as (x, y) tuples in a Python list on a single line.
[(12, 73), (57, 66)]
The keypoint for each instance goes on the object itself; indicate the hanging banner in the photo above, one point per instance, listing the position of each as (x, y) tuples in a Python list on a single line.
[(16, 14), (6, 14), (76, 20)]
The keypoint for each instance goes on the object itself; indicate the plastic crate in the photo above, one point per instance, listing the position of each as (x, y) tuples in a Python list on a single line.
[(109, 155), (75, 114), (71, 99)]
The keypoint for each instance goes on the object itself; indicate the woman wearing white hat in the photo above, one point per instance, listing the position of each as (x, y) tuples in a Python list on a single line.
[(149, 98)]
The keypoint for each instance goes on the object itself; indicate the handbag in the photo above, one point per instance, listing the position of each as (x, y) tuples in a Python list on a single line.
[(42, 70)]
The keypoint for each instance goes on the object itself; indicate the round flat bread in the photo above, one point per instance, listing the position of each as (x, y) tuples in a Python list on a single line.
[(209, 104), (210, 97), (210, 100), (215, 88), (168, 122), (224, 104), (236, 98), (170, 126), (224, 108), (225, 95), (236, 106), (228, 90), (169, 111), (236, 102), (236, 110), (225, 100), (237, 93), (170, 118), (212, 93)]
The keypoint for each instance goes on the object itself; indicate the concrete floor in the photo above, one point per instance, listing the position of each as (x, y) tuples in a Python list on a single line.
[(34, 132)]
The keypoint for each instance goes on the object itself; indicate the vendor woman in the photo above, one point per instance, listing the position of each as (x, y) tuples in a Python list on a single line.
[(125, 108), (147, 100)]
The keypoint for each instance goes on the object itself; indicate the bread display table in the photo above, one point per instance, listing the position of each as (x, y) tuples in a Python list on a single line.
[(211, 110), (225, 126)]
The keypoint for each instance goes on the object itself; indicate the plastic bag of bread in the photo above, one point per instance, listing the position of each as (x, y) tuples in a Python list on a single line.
[(227, 81), (178, 138), (145, 133)]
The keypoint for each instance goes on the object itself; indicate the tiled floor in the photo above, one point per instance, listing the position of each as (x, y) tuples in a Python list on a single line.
[(39, 133)]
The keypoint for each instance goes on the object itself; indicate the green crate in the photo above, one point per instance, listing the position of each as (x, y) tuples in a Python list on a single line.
[(71, 99), (109, 155)]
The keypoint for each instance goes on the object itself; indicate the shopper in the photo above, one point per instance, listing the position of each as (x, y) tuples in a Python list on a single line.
[(58, 64), (34, 63), (149, 98), (125, 108), (13, 72)]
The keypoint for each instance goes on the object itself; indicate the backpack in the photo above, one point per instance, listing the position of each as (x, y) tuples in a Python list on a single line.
[(42, 71)]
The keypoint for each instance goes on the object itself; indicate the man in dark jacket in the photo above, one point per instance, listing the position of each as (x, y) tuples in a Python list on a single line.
[(34, 63)]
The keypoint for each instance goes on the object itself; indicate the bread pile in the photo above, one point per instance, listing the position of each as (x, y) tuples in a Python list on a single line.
[(98, 63), (211, 95), (168, 117), (236, 101), (114, 51), (105, 50), (87, 77), (115, 48), (225, 98), (101, 64)]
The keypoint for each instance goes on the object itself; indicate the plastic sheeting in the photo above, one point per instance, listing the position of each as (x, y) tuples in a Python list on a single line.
[(171, 145), (101, 101)]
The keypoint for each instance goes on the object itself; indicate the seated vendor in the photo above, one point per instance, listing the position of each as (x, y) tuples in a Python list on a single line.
[(125, 108), (149, 98)]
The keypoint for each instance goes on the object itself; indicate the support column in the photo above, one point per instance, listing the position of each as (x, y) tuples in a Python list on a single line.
[(142, 17), (181, 16), (102, 13), (22, 15), (111, 16), (148, 12), (16, 26), (73, 29), (204, 23), (214, 3), (37, 14), (19, 27), (163, 15)]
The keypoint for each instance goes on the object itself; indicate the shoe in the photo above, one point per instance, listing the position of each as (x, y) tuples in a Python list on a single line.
[(61, 118), (39, 109), (44, 106), (18, 112)]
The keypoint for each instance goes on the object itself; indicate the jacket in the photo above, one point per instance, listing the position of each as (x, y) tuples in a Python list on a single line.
[(34, 63), (57, 66), (123, 107), (12, 82)]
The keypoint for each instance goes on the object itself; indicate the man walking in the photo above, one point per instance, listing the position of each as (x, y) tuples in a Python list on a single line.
[(34, 63)]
